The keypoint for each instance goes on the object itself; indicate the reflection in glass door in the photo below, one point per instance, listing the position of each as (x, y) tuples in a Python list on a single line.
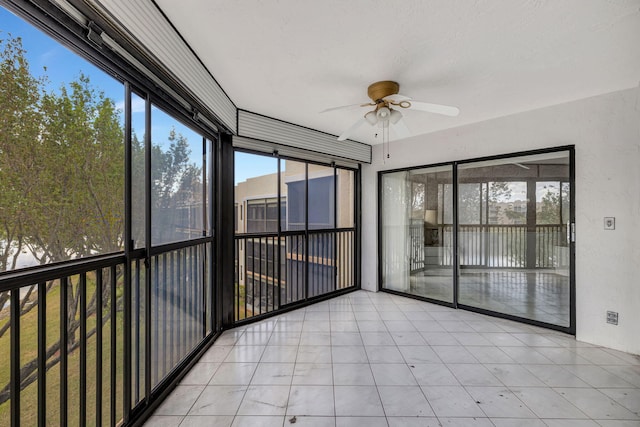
[(513, 249), (416, 239), (507, 236)]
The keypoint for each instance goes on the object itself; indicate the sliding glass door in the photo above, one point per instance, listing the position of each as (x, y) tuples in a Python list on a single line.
[(417, 238), (487, 235), (513, 245)]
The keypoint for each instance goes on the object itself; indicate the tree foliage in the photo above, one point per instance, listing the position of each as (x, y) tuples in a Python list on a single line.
[(554, 204), (473, 199), (61, 166), (78, 203), (175, 186), (20, 121), (62, 189)]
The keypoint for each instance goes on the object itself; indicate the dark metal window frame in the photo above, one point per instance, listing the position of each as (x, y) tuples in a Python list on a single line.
[(46, 16), (571, 329), (306, 233), (49, 19)]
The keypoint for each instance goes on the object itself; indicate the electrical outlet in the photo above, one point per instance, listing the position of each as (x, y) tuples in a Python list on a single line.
[(612, 317), (609, 223)]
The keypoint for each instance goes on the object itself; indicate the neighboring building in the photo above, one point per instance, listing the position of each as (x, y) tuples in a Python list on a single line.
[(262, 258)]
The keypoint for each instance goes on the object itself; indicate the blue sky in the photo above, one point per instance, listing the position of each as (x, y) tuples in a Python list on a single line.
[(61, 64), (64, 66), (48, 57), (249, 165)]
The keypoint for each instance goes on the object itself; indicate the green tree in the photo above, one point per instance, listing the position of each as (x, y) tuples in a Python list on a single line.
[(138, 211), (20, 122), (554, 203), (176, 185), (19, 127), (76, 209), (175, 182), (61, 184), (472, 200)]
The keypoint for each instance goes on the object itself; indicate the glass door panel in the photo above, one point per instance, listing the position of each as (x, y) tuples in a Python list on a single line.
[(417, 240), (296, 270), (513, 250), (257, 249)]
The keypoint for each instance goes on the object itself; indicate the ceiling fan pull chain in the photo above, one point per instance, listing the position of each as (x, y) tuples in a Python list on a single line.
[(385, 136)]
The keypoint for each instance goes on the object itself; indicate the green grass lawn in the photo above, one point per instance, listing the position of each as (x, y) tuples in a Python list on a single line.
[(240, 311), (28, 351)]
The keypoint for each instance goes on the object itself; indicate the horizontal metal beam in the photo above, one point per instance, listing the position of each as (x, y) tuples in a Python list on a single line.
[(43, 273)]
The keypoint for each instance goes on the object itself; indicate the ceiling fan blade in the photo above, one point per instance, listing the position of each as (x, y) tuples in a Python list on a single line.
[(401, 129), (434, 108), (352, 129), (395, 98), (346, 107)]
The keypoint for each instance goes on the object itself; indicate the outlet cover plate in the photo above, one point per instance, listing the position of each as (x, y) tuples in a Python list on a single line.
[(609, 223)]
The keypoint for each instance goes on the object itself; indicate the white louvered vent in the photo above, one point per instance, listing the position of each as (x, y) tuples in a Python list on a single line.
[(286, 151), (257, 127), (149, 29)]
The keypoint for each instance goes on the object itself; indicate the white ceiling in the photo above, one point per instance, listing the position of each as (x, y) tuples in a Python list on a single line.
[(290, 59)]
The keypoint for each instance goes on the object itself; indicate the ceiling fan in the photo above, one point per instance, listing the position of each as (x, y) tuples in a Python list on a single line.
[(386, 101)]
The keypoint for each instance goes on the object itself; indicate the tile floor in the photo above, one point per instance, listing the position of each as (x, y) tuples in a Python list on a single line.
[(375, 359), (533, 294)]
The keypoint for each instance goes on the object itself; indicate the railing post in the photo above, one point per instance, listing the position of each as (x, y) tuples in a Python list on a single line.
[(14, 337), (42, 354), (99, 350), (64, 342), (82, 418), (113, 379), (531, 225), (225, 230)]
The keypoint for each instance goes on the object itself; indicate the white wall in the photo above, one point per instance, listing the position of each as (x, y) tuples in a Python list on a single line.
[(606, 133)]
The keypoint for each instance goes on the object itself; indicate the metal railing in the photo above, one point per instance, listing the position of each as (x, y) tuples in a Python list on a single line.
[(417, 252), (87, 345), (64, 329), (551, 246), (501, 246), (273, 271), (178, 306)]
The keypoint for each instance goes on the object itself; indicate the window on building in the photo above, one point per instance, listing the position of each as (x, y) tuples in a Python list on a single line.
[(322, 204), (294, 175), (262, 215)]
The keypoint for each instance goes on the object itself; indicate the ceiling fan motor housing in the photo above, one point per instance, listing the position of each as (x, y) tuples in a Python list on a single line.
[(379, 90)]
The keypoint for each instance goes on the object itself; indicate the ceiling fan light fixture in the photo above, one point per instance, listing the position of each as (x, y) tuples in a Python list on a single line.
[(395, 116), (383, 114), (371, 118), (387, 104)]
